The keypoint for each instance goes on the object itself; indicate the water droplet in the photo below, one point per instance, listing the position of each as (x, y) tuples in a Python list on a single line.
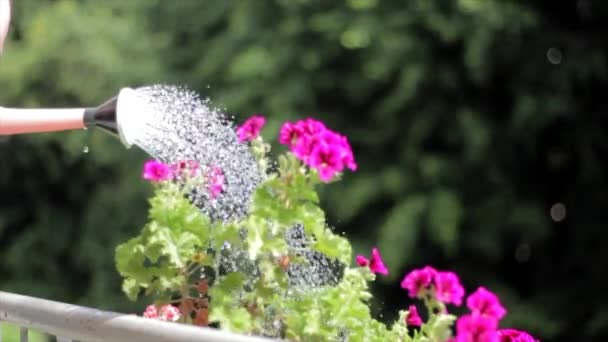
[(558, 212), (85, 149), (177, 125), (522, 253), (554, 55)]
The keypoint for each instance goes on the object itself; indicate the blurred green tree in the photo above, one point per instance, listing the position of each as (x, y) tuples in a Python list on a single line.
[(475, 123)]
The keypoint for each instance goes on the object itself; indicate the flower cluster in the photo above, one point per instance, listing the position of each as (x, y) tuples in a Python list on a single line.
[(375, 263), (481, 323), (513, 335), (156, 171), (486, 311), (166, 312), (231, 302), (444, 285), (318, 147)]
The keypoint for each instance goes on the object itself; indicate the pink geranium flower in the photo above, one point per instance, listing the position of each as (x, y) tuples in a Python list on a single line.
[(484, 302), (215, 182), (290, 133), (318, 147), (311, 126), (375, 264), (187, 167), (512, 335), (475, 328), (166, 312), (413, 318), (348, 159), (304, 147), (448, 288), (156, 171), (361, 260), (151, 311), (169, 313), (417, 280), (251, 128), (327, 160)]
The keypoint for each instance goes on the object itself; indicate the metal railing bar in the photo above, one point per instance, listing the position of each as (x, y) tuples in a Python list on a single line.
[(23, 334), (92, 325)]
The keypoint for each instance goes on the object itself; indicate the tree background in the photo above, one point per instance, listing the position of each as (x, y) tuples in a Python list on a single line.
[(478, 126)]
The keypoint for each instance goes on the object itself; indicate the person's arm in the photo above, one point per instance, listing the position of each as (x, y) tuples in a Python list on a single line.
[(5, 20)]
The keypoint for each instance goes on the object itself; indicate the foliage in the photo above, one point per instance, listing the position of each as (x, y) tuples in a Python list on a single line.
[(181, 255), (247, 276)]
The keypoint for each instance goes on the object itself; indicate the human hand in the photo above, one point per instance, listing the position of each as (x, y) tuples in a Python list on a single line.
[(5, 19)]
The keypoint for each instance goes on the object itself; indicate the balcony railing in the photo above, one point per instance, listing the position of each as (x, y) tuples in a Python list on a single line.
[(77, 323)]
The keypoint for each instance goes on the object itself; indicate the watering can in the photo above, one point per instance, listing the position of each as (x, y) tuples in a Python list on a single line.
[(111, 116)]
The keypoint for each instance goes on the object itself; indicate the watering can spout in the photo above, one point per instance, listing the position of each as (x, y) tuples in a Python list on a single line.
[(112, 116), (103, 116)]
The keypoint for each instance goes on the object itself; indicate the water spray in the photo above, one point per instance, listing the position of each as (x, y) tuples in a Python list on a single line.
[(171, 124)]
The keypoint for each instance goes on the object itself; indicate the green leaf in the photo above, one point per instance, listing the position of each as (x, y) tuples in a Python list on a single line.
[(232, 282), (399, 232), (131, 288), (444, 217), (438, 327)]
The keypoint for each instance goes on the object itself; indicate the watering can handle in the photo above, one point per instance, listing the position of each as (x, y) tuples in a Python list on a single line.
[(21, 121)]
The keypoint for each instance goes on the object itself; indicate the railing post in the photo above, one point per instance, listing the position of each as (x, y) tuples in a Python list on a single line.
[(23, 337)]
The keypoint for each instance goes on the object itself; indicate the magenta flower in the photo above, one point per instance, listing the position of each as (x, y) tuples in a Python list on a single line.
[(413, 318), (156, 171), (475, 328), (304, 146), (311, 126), (215, 182), (169, 313), (318, 147), (327, 160), (417, 280), (251, 128), (448, 288), (348, 159), (361, 260), (484, 302), (166, 312), (512, 335), (376, 264), (290, 133), (151, 311), (189, 167)]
